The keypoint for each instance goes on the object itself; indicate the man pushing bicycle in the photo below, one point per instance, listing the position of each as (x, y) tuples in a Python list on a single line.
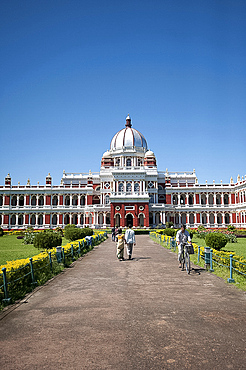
[(181, 238)]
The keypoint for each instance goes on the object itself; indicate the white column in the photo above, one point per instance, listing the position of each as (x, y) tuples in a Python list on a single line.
[(104, 218), (71, 200), (18, 199), (16, 219), (178, 199)]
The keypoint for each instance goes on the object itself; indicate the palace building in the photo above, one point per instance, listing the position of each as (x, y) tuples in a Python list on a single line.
[(128, 189)]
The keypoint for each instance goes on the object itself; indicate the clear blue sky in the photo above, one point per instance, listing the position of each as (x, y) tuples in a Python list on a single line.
[(71, 71)]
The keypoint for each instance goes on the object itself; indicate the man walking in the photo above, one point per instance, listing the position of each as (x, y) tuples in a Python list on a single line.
[(130, 240)]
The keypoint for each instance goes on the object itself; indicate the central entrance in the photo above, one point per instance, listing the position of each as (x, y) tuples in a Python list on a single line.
[(129, 219)]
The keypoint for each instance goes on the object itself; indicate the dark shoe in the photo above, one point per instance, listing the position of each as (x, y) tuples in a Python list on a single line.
[(180, 266), (129, 257)]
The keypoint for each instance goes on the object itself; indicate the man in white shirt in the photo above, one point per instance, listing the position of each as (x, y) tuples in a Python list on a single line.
[(130, 240), (182, 237)]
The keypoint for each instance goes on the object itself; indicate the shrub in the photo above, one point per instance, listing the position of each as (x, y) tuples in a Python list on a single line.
[(231, 228), (191, 232), (169, 232), (72, 233), (47, 240), (216, 240), (28, 237), (201, 228), (1, 231), (169, 224)]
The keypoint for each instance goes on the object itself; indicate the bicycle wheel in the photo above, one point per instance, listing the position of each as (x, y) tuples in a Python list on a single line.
[(182, 261), (187, 262)]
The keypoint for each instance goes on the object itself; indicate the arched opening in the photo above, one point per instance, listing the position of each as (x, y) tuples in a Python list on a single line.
[(82, 219), (20, 220), (141, 220), (14, 201), (204, 219), (34, 200), (75, 200), (117, 220), (151, 198), (12, 220), (75, 220), (219, 219), (33, 220), (227, 218), (226, 199), (107, 199), (136, 187), (128, 162), (55, 200), (182, 199), (211, 199), (211, 219), (183, 218), (128, 187), (203, 199), (191, 200), (129, 219), (40, 220), (100, 219), (1, 200), (82, 200), (218, 199), (121, 187), (175, 199), (192, 219), (67, 200), (90, 219), (157, 218), (54, 220), (108, 218), (66, 220), (21, 201), (41, 201)]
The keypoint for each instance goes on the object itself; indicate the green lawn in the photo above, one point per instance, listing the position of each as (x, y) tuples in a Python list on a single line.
[(12, 248), (239, 248)]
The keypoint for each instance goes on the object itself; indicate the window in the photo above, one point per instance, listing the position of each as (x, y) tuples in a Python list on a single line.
[(128, 187), (136, 187), (150, 185), (117, 162), (106, 185), (107, 199), (151, 198), (121, 187), (128, 162), (140, 162), (160, 187)]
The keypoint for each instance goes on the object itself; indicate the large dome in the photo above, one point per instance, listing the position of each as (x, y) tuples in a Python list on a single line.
[(128, 137)]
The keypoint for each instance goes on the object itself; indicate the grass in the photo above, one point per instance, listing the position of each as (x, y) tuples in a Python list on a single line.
[(239, 248), (12, 249)]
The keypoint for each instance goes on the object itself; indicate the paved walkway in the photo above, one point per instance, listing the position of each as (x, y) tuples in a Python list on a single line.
[(139, 314)]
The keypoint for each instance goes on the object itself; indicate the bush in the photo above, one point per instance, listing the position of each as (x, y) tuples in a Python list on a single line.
[(191, 232), (216, 240), (28, 237), (72, 233), (47, 240), (169, 232), (1, 231), (169, 224), (231, 228)]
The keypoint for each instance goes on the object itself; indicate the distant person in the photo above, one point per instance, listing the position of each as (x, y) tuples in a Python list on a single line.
[(113, 234), (181, 238), (120, 245), (130, 241)]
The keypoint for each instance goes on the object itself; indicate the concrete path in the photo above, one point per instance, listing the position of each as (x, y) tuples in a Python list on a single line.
[(139, 314)]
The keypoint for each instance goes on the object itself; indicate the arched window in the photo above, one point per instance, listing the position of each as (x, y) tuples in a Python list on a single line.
[(191, 200), (226, 199), (140, 162), (182, 199), (136, 187), (12, 220), (33, 220), (1, 200), (40, 220), (128, 187), (204, 218), (21, 201), (67, 200), (227, 219), (107, 199), (75, 200), (54, 220), (121, 187), (41, 201), (151, 198), (75, 220), (117, 161), (14, 201), (203, 199), (82, 200), (34, 201), (20, 220), (108, 218), (66, 220), (218, 199), (211, 199), (90, 219), (175, 199), (128, 162), (55, 200)]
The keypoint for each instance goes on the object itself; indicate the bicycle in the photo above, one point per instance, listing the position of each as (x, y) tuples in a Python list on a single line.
[(185, 258)]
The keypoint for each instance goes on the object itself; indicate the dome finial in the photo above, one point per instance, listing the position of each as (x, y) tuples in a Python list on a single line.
[(128, 121)]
